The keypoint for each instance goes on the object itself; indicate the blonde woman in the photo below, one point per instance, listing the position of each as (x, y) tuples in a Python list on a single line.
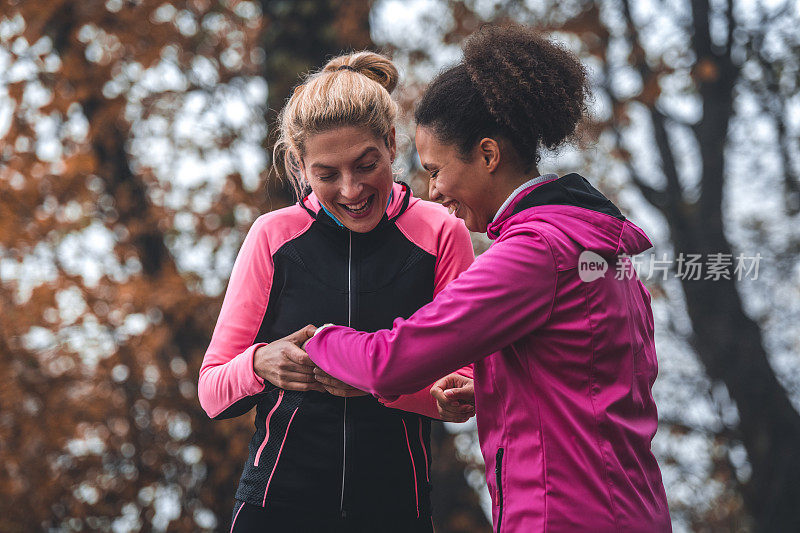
[(356, 249)]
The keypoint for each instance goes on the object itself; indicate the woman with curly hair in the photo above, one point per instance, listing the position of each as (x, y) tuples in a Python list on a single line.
[(564, 363), (358, 249)]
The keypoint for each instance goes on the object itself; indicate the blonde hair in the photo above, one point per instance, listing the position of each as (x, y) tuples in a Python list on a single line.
[(350, 90)]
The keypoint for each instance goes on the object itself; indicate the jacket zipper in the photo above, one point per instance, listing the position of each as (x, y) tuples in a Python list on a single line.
[(498, 473), (342, 510)]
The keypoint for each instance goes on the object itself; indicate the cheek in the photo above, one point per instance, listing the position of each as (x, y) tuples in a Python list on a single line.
[(450, 185), (325, 192), (382, 179)]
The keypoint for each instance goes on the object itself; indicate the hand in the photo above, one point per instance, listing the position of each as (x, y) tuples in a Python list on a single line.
[(335, 386), (284, 364), (455, 398)]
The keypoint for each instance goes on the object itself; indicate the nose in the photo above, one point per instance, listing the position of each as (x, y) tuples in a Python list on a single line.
[(351, 187), (433, 194)]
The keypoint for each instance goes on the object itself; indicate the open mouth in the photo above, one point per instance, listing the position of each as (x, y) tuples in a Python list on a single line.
[(452, 206), (359, 208)]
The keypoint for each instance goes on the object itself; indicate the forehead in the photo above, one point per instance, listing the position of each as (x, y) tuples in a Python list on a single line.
[(429, 148), (339, 145)]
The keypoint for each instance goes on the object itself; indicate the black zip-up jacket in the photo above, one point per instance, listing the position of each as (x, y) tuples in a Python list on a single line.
[(314, 452)]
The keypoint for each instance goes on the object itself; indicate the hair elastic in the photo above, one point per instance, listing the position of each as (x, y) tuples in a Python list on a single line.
[(346, 67)]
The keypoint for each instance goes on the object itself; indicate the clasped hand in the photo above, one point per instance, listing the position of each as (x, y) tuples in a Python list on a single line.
[(287, 366), (455, 397)]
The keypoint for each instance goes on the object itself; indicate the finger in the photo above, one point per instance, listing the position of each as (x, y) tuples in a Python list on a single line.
[(455, 420), (345, 393), (461, 393), (290, 367), (299, 357), (324, 377), (457, 410), (296, 377), (342, 392), (301, 335), (438, 393), (329, 381), (319, 372), (333, 382), (452, 381)]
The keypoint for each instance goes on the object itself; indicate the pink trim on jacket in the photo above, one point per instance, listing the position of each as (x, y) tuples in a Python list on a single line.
[(266, 490), (233, 524), (227, 375), (424, 451), (266, 437), (413, 467)]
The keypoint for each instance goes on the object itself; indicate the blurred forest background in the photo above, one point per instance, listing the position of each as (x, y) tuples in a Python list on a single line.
[(134, 154)]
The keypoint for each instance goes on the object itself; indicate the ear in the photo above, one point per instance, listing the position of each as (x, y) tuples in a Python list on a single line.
[(489, 151), (391, 143)]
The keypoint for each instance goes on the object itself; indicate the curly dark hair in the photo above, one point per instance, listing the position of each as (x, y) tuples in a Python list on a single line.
[(512, 83)]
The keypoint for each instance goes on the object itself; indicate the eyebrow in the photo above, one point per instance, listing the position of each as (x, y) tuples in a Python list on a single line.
[(366, 152)]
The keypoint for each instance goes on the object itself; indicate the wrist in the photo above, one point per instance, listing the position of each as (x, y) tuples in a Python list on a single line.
[(254, 362)]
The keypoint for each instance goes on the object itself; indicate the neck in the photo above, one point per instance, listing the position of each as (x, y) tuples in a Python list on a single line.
[(508, 183)]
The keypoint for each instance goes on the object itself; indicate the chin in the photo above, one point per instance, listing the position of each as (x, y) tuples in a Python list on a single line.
[(473, 226), (362, 226)]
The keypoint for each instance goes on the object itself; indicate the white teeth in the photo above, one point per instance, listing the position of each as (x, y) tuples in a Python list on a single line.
[(452, 208), (357, 207)]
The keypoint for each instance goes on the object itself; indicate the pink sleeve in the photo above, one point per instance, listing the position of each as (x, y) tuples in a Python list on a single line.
[(506, 294), (227, 379), (455, 255)]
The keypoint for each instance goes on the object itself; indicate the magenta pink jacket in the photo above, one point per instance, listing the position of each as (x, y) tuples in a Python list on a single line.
[(564, 404)]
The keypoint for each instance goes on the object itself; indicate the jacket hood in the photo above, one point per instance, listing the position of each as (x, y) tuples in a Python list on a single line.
[(583, 213), (402, 198)]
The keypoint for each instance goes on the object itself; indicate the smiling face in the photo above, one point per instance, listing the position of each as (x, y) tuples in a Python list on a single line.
[(350, 171), (464, 187)]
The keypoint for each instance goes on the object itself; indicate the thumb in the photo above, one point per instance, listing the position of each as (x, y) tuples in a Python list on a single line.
[(466, 393), (438, 393), (300, 336)]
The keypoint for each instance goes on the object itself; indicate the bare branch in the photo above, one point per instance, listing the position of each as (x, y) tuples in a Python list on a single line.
[(674, 190), (731, 27), (671, 199)]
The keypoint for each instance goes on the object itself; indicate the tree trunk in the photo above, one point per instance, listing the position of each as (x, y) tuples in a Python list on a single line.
[(728, 342)]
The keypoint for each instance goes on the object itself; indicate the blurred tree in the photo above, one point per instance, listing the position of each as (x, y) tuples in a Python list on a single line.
[(106, 353), (132, 143), (697, 106)]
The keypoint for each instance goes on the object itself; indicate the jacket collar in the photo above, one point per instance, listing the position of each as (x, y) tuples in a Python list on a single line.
[(572, 205), (508, 207)]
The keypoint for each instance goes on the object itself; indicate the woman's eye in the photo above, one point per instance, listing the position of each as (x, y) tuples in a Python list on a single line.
[(434, 174), (369, 167), (328, 177)]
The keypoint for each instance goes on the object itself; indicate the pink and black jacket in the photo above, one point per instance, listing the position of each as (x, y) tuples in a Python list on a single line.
[(564, 364), (311, 451)]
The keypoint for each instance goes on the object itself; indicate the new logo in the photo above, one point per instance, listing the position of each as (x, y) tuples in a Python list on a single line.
[(591, 266)]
